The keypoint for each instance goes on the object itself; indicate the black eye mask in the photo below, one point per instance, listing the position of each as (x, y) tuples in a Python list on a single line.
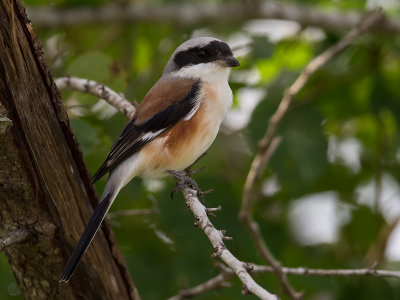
[(213, 51)]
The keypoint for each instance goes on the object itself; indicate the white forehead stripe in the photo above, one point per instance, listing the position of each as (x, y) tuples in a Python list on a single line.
[(196, 42)]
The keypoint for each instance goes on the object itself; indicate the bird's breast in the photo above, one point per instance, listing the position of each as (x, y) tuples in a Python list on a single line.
[(218, 98), (180, 146)]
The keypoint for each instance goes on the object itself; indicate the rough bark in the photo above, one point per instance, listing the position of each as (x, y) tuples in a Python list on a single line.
[(44, 183)]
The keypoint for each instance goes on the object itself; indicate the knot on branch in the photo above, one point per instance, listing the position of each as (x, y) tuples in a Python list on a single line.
[(245, 290), (224, 236), (210, 211), (248, 266), (5, 124), (305, 271), (104, 93), (13, 237), (197, 220), (87, 86), (217, 251)]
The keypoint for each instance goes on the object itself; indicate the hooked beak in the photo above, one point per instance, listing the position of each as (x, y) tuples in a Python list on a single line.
[(229, 61)]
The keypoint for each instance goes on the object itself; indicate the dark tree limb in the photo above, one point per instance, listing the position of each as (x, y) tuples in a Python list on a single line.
[(45, 185)]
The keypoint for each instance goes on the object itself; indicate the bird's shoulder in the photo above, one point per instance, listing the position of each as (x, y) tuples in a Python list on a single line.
[(167, 91)]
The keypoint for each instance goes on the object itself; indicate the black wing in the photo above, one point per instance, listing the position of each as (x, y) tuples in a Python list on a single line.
[(133, 137)]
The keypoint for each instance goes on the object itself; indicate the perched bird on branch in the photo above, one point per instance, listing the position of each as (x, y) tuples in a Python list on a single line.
[(175, 123)]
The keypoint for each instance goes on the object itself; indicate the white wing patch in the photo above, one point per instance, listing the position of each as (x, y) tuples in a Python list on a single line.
[(193, 110), (151, 135)]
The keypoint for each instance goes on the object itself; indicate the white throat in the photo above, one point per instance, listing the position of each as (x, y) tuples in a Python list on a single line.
[(206, 72)]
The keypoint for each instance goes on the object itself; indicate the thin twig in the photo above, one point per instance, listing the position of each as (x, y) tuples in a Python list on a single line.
[(216, 238), (252, 226), (214, 283), (221, 279), (302, 271), (260, 160), (98, 90), (14, 237), (269, 142)]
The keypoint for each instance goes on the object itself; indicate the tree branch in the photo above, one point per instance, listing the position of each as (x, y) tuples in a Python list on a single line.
[(302, 271), (209, 285), (98, 90), (269, 142), (184, 14), (252, 226), (221, 279), (216, 238)]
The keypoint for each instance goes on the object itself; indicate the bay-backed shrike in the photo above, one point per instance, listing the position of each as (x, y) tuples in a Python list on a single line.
[(175, 123)]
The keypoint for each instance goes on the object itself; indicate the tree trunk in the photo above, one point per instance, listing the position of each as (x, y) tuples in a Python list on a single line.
[(46, 196)]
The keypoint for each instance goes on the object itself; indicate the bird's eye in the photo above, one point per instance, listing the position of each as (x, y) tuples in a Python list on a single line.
[(202, 54)]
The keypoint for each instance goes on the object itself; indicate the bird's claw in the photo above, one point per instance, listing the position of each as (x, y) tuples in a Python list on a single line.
[(186, 181), (177, 188)]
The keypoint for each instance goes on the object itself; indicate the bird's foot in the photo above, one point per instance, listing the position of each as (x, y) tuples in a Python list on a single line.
[(186, 181)]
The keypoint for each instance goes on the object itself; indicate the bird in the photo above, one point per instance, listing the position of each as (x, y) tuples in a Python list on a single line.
[(175, 123)]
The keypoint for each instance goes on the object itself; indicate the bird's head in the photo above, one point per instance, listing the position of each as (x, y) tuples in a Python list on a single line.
[(200, 58)]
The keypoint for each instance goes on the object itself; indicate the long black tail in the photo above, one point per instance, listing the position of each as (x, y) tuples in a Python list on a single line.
[(87, 237)]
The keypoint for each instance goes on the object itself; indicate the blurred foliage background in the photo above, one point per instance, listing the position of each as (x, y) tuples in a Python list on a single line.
[(330, 197)]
